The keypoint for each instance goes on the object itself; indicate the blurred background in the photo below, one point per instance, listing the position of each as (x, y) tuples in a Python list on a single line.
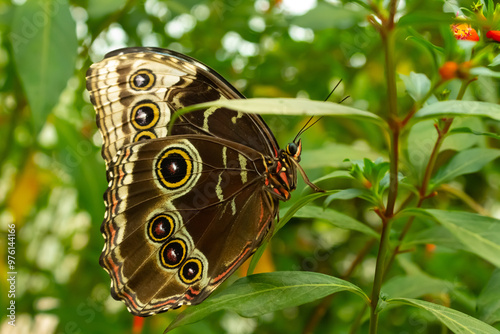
[(53, 178)]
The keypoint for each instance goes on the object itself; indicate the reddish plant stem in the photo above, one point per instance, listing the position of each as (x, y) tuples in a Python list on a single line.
[(388, 41), (423, 190)]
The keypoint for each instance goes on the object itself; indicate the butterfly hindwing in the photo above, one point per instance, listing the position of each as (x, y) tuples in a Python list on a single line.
[(213, 214)]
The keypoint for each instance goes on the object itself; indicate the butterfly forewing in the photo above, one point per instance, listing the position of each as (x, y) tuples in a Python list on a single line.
[(129, 109)]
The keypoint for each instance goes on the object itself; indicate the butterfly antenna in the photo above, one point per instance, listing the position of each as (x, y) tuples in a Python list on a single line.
[(338, 83), (307, 126), (345, 98), (301, 131)]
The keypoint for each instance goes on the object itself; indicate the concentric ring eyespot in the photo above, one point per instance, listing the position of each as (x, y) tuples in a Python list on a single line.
[(145, 115), (145, 135), (173, 253), (174, 167), (191, 271), (161, 227), (142, 80)]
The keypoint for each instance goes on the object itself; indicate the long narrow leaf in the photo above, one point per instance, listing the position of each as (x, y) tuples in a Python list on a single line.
[(456, 321), (465, 162), (459, 108), (488, 302), (259, 294), (45, 47), (479, 234), (286, 106), (335, 218)]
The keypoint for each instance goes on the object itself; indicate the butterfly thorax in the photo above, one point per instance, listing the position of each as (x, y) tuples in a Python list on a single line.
[(281, 175)]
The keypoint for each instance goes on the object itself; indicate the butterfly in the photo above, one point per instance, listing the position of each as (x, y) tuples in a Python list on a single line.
[(185, 208)]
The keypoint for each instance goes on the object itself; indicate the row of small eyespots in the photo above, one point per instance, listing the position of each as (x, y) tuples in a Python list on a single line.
[(145, 114), (173, 253)]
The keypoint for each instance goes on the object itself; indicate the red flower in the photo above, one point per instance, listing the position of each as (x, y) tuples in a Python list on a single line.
[(494, 35)]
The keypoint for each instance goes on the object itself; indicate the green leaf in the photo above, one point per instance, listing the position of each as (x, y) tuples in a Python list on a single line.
[(477, 133), (496, 61), (259, 294), (287, 106), (425, 18), (456, 321), (289, 213), (417, 85), (437, 235), (465, 162), (488, 303), (256, 257), (304, 200), (422, 138), (97, 8), (327, 16), (485, 72), (436, 51), (479, 234), (335, 218), (44, 43), (459, 108), (342, 174), (349, 193), (415, 286)]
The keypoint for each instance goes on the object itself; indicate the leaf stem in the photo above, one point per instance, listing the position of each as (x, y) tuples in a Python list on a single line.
[(434, 154)]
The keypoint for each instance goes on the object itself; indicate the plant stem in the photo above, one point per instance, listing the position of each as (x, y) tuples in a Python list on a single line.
[(321, 309), (393, 120), (393, 174), (388, 41), (379, 275)]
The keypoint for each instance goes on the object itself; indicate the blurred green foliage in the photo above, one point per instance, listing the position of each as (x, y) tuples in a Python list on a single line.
[(52, 176)]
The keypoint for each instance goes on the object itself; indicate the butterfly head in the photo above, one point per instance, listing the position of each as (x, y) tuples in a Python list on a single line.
[(294, 149)]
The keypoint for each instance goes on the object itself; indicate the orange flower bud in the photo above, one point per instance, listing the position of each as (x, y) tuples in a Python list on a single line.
[(449, 70), (430, 248), (494, 35)]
